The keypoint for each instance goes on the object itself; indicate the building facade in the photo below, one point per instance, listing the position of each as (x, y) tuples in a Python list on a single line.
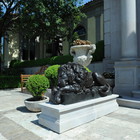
[(122, 45)]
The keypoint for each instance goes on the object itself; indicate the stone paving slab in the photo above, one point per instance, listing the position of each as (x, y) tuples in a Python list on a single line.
[(17, 123), (11, 99), (14, 131)]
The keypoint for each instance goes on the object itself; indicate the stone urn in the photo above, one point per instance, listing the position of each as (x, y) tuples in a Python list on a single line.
[(82, 54), (34, 105)]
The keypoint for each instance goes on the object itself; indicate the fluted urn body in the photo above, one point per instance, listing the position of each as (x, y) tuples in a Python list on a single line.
[(82, 54)]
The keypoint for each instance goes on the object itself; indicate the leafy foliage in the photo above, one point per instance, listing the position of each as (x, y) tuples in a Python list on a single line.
[(40, 62), (9, 82), (11, 72), (8, 14), (57, 17), (52, 74), (44, 18), (8, 17), (109, 75), (99, 52), (60, 59), (13, 62), (37, 85)]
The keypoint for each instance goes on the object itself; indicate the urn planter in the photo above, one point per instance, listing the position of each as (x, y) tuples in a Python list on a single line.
[(33, 105), (36, 85), (82, 54)]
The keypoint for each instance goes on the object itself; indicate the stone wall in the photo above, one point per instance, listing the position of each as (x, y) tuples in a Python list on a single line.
[(112, 33), (11, 48)]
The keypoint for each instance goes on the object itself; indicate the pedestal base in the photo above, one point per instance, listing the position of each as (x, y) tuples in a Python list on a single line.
[(127, 77), (61, 118)]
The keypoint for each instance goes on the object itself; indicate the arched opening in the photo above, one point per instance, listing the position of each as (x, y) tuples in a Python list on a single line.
[(81, 31)]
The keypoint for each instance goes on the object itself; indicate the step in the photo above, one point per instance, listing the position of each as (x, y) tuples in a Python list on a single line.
[(131, 102), (136, 94)]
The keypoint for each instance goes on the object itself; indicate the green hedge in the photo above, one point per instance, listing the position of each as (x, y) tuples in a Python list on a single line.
[(60, 60), (13, 62), (11, 72), (40, 62), (99, 52), (9, 82)]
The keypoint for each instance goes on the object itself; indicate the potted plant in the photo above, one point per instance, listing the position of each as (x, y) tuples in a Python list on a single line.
[(110, 78), (37, 86)]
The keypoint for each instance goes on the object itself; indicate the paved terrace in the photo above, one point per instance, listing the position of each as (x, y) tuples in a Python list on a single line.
[(17, 123)]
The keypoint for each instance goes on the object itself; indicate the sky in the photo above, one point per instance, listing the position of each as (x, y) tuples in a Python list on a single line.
[(85, 1), (82, 2)]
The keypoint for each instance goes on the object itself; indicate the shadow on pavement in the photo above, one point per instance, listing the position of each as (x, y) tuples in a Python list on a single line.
[(36, 123), (23, 109)]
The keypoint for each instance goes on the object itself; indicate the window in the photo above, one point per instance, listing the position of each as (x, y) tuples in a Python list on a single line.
[(81, 31), (28, 48)]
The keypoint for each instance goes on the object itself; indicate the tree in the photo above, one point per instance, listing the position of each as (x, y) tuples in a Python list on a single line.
[(8, 14), (57, 17), (8, 17), (40, 17), (50, 18)]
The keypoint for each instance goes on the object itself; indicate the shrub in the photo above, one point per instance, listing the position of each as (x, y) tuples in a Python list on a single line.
[(11, 71), (52, 74), (14, 62), (40, 62), (37, 85), (109, 75), (9, 82), (99, 52), (60, 59), (32, 63)]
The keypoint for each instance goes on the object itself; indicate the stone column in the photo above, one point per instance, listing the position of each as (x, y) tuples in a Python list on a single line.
[(128, 68), (138, 25), (6, 52), (107, 62), (101, 27), (128, 28), (91, 29), (41, 47)]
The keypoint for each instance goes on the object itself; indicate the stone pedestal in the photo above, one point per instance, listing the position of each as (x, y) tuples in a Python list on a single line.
[(61, 118), (127, 77)]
